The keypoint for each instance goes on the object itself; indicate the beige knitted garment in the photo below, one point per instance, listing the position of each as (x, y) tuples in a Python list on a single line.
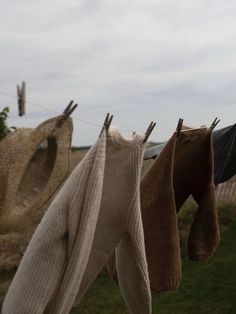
[(62, 241), (60, 260), (120, 224), (29, 177), (33, 166)]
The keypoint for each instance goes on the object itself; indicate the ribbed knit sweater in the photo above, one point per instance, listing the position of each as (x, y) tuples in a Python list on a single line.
[(120, 225), (62, 241), (67, 234)]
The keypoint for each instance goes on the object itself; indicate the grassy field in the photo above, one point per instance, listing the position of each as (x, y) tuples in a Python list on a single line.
[(208, 288), (205, 287)]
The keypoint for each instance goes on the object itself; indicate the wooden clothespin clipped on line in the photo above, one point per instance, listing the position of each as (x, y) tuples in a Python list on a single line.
[(214, 123), (149, 131), (66, 113), (21, 98), (179, 126), (106, 123), (69, 109)]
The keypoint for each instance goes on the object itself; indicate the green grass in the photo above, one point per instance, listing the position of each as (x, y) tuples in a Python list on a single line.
[(206, 288)]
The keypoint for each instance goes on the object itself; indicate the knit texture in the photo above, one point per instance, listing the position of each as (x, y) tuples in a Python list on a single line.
[(160, 221), (59, 249), (33, 165), (183, 168), (96, 211), (29, 176), (120, 226)]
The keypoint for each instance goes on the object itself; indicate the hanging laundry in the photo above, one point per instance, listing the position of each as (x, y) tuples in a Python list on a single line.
[(194, 175), (120, 224), (224, 143), (33, 165), (97, 210), (62, 240), (183, 168), (160, 221), (224, 147), (154, 151)]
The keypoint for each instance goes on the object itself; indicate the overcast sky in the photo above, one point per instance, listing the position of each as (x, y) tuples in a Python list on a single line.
[(141, 60)]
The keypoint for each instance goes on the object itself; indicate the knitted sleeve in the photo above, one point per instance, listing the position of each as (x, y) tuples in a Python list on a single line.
[(132, 276), (84, 212), (42, 265), (204, 233), (131, 263)]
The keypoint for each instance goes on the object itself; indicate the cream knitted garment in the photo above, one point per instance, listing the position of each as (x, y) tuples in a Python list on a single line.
[(60, 259), (120, 224), (62, 241)]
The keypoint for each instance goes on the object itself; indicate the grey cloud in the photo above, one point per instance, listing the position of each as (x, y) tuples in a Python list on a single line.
[(124, 57)]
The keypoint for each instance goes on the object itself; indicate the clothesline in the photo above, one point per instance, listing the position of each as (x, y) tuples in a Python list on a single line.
[(90, 122)]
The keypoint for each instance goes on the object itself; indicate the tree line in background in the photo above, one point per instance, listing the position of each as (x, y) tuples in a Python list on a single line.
[(4, 129)]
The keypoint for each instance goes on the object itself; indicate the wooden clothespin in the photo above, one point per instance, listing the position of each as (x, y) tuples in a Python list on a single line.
[(21, 98), (149, 131), (66, 113), (179, 126), (214, 123), (69, 109), (106, 123)]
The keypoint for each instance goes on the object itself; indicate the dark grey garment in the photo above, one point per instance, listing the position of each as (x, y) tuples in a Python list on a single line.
[(152, 152), (224, 146)]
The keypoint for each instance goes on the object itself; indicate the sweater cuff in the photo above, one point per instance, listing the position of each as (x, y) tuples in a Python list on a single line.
[(198, 256), (167, 285)]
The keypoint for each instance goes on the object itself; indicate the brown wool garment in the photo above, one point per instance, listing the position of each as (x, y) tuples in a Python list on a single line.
[(184, 167), (160, 221), (194, 175), (60, 261), (192, 163)]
